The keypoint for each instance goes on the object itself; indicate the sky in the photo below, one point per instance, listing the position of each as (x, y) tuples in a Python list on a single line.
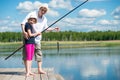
[(95, 15)]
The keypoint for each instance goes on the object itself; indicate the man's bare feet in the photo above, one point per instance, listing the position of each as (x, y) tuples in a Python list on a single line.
[(41, 72)]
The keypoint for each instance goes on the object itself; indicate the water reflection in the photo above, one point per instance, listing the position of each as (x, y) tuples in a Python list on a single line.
[(97, 63)]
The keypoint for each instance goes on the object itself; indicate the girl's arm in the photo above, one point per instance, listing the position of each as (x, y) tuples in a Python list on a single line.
[(32, 34)]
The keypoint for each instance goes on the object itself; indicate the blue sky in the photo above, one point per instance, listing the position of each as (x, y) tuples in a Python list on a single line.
[(94, 15)]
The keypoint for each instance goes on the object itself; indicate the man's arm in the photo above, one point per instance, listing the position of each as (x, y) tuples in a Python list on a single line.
[(23, 25), (52, 29), (23, 28), (23, 31)]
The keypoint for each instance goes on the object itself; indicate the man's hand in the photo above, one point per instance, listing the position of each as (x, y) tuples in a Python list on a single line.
[(25, 34), (57, 29)]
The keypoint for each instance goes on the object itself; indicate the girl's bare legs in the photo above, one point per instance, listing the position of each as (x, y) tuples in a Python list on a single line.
[(31, 69), (27, 68), (29, 55)]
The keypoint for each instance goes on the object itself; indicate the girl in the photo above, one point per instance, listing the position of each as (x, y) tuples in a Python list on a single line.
[(30, 44)]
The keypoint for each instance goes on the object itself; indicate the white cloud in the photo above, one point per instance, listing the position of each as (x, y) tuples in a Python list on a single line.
[(64, 4), (109, 22), (116, 22), (97, 0), (105, 62), (87, 24), (7, 28), (104, 22), (64, 26), (37, 4), (2, 22), (14, 24), (86, 21), (26, 6), (3, 28), (8, 17), (103, 28), (75, 24), (78, 21), (91, 0), (91, 71), (92, 13), (116, 13), (53, 13), (9, 25)]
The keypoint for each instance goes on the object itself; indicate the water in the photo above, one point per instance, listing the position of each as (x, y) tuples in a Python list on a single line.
[(95, 63)]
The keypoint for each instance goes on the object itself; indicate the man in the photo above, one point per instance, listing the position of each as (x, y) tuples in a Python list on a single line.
[(38, 27)]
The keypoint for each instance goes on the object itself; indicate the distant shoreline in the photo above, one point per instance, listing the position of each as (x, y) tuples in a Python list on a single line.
[(114, 42), (11, 46)]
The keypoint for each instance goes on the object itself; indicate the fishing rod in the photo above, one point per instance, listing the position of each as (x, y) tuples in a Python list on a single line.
[(48, 27)]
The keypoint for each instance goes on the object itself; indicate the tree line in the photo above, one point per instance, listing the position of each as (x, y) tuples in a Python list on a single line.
[(64, 36)]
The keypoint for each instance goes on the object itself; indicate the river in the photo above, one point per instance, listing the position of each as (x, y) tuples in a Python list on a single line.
[(92, 63)]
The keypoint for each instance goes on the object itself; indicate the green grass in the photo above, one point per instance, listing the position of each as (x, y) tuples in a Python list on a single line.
[(11, 46), (64, 44)]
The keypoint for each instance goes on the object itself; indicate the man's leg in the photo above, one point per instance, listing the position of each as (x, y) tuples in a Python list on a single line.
[(24, 55), (38, 58), (40, 70)]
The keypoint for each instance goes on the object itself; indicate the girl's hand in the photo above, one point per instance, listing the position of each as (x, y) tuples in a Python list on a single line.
[(25, 34), (39, 33)]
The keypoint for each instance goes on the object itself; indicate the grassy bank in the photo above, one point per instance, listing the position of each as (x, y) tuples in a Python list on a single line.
[(11, 46), (76, 44)]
